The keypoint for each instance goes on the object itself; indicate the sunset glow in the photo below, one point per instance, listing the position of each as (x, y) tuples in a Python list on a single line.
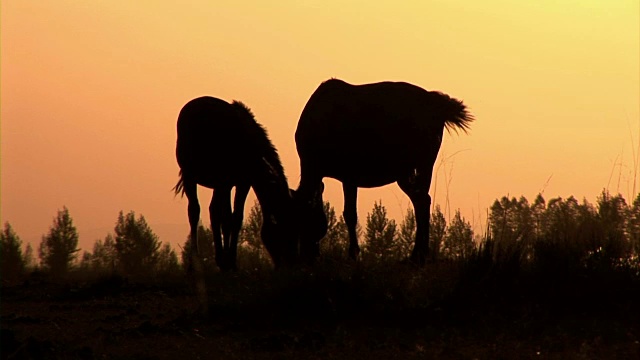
[(90, 93)]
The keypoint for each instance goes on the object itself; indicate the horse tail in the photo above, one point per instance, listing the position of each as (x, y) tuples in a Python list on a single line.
[(457, 116), (179, 188)]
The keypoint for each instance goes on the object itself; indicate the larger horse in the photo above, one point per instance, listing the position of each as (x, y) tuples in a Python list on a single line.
[(368, 136), (221, 146)]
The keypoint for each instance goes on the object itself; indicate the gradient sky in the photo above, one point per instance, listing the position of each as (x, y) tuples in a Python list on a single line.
[(91, 90)]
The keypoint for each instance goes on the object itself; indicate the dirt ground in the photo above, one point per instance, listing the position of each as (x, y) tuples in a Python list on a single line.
[(116, 319)]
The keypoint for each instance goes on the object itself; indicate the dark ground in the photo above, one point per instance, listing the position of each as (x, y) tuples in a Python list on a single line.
[(346, 313)]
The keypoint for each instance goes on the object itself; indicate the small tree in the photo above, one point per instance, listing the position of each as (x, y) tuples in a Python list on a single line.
[(205, 249), (612, 216), (335, 242), (567, 233), (380, 235), (250, 237), (561, 220), (58, 249), (437, 232), (136, 244), (29, 259), (512, 228), (407, 234), (537, 215), (85, 261), (12, 264), (511, 220), (458, 242), (167, 260), (104, 255), (633, 226)]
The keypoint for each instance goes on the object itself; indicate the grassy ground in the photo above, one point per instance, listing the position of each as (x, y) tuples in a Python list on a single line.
[(474, 310)]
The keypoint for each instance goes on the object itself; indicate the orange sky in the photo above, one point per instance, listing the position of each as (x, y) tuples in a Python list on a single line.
[(90, 93)]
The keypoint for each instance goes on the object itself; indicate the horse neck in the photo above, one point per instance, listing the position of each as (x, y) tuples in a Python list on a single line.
[(272, 190)]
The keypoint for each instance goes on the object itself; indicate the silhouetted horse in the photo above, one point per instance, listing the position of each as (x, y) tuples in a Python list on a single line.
[(220, 145), (368, 136)]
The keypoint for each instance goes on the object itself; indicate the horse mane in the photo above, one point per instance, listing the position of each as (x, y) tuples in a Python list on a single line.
[(261, 143), (457, 115)]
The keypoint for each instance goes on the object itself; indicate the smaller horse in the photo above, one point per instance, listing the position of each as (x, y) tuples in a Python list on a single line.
[(221, 146), (368, 136)]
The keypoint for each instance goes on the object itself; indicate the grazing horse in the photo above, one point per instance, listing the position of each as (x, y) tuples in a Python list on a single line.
[(221, 146), (368, 136)]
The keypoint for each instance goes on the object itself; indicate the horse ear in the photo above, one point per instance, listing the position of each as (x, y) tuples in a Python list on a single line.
[(321, 188)]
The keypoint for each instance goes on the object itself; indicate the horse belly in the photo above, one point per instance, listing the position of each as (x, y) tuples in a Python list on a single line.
[(364, 171), (220, 173)]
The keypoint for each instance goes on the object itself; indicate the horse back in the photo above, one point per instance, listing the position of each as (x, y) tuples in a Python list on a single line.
[(366, 131), (380, 116)]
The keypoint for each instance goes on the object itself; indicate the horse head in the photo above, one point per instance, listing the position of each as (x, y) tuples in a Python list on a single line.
[(280, 237), (311, 221)]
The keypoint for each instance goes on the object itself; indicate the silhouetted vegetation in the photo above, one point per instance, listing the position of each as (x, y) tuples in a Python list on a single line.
[(167, 260), (336, 242), (251, 252), (564, 235), (407, 234), (381, 243), (458, 241), (552, 278), (205, 250), (104, 257), (558, 235), (12, 261), (29, 258), (437, 228), (59, 248), (133, 250), (136, 244)]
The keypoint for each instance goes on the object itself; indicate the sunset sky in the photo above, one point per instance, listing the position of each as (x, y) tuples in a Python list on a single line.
[(91, 90)]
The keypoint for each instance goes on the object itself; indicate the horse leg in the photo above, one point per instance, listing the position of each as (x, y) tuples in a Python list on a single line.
[(193, 210), (350, 215), (313, 224), (217, 209), (226, 224), (225, 218), (417, 188), (195, 266), (236, 222)]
